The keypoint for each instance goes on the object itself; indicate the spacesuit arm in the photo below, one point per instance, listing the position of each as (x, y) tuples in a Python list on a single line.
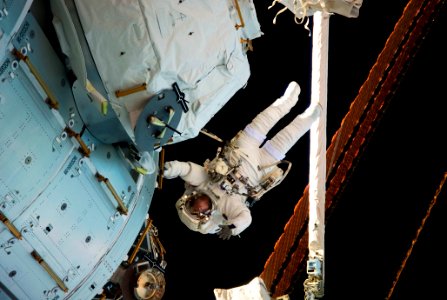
[(190, 172), (241, 220), (196, 175)]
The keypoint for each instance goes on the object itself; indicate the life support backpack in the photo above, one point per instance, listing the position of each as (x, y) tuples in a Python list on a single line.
[(224, 170)]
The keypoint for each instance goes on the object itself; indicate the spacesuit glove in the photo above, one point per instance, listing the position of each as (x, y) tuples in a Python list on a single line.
[(225, 232), (173, 169)]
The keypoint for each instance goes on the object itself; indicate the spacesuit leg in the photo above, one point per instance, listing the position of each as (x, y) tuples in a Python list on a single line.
[(276, 148), (256, 132)]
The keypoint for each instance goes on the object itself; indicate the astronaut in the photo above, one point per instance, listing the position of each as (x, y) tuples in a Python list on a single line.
[(216, 195)]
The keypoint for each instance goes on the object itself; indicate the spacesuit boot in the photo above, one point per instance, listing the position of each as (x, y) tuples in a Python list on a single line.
[(290, 97)]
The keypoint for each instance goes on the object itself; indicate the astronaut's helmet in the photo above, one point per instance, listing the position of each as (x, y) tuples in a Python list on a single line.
[(198, 205)]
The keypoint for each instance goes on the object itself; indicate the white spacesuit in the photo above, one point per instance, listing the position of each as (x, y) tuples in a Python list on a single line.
[(242, 168)]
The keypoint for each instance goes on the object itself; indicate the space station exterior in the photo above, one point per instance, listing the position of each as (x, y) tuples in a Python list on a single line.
[(85, 109)]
